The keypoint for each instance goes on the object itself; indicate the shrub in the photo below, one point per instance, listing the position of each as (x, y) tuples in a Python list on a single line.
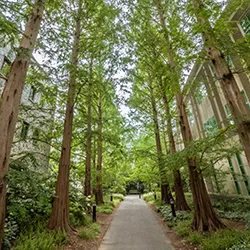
[(106, 209), (224, 239), (91, 232), (183, 228), (39, 238)]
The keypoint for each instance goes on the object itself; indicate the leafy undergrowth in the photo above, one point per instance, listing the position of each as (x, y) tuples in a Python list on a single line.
[(91, 232), (221, 239), (38, 237), (109, 206), (227, 239)]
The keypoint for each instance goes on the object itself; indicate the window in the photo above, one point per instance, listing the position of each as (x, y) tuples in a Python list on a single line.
[(24, 131), (234, 175), (5, 68), (229, 61), (245, 23), (190, 117), (210, 126), (245, 98), (32, 93), (243, 172), (229, 115), (202, 93), (35, 136)]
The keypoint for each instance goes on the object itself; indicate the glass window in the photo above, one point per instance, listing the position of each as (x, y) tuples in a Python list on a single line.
[(32, 93), (245, 23), (210, 126), (202, 93), (35, 136), (190, 117), (229, 61), (243, 172), (24, 131), (245, 98)]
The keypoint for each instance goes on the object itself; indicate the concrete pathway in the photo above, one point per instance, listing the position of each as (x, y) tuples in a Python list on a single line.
[(135, 227)]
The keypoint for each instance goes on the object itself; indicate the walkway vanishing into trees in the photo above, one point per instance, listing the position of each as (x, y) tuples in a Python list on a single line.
[(135, 227)]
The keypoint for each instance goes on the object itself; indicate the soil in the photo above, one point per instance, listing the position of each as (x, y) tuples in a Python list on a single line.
[(75, 243)]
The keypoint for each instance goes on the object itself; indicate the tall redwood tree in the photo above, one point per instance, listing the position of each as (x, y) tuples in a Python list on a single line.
[(11, 98), (59, 218)]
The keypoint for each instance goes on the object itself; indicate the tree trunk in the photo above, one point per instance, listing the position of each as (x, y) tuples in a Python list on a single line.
[(87, 182), (181, 203), (205, 218), (165, 190), (59, 218), (11, 98), (235, 100), (99, 194)]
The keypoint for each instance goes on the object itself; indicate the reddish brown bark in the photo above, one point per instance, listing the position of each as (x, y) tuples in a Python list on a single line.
[(180, 200), (235, 100), (99, 193), (165, 189), (11, 98), (59, 218), (87, 181), (205, 218)]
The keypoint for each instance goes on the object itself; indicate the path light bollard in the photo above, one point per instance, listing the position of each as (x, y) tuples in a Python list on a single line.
[(155, 195), (172, 207), (111, 197), (94, 212), (139, 195)]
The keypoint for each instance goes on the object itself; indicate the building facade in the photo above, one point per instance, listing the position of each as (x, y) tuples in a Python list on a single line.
[(35, 115), (209, 111)]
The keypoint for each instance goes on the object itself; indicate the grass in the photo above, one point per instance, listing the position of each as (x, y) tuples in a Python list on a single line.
[(91, 232)]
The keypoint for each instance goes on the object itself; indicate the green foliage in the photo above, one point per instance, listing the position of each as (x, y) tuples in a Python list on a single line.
[(105, 208), (149, 197), (180, 215), (233, 208), (91, 232), (108, 206), (37, 237), (29, 196), (79, 207), (221, 239)]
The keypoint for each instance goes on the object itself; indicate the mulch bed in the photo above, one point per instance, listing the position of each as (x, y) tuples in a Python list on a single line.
[(75, 243)]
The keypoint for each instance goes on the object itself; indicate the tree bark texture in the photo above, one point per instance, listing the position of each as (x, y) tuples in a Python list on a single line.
[(87, 181), (235, 100), (59, 218), (165, 189), (99, 193), (205, 218), (11, 98), (180, 200)]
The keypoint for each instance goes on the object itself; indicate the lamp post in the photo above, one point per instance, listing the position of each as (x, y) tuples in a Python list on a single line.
[(172, 207), (94, 212)]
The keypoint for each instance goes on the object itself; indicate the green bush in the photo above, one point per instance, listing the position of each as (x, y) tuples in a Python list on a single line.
[(91, 232), (79, 208), (39, 238), (180, 215), (224, 239), (105, 208), (183, 228)]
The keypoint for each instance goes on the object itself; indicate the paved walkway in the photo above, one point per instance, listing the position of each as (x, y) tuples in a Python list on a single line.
[(135, 227)]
